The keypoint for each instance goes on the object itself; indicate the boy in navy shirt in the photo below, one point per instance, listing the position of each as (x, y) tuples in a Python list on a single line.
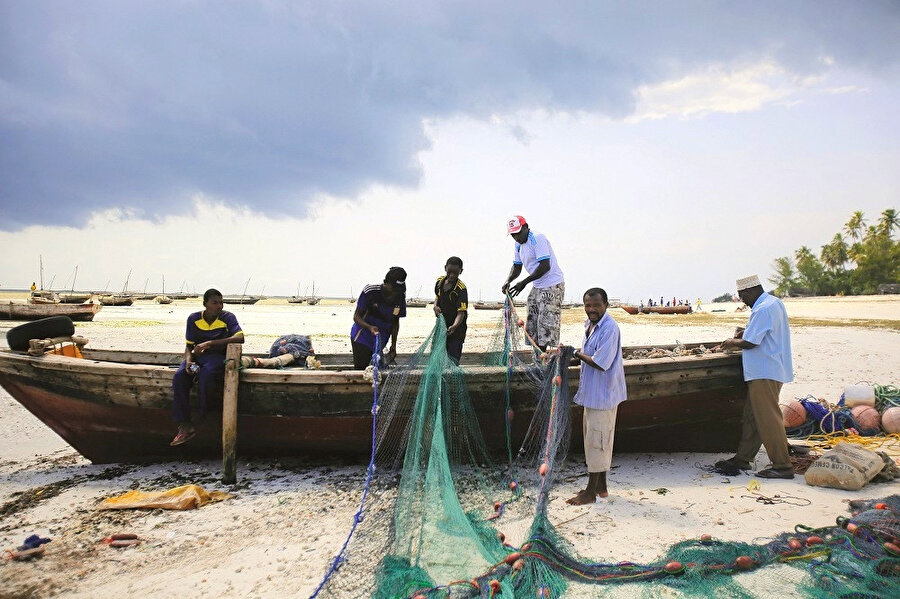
[(207, 336), (378, 313), (451, 299)]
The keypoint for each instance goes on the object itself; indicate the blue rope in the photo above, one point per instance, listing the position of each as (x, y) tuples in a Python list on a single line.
[(358, 517)]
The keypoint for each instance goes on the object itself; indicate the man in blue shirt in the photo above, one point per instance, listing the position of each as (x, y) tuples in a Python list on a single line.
[(766, 357), (548, 287), (601, 389), (377, 316), (207, 336)]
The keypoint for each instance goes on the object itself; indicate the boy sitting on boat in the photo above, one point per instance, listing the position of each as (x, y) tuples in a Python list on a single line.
[(207, 336)]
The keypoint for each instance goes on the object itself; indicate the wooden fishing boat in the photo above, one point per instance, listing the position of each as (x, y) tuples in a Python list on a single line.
[(117, 299), (115, 406), (416, 303), (75, 298), (12, 310), (240, 299), (487, 305), (657, 309), (163, 299)]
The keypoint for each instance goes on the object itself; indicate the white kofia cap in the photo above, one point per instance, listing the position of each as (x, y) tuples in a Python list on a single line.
[(748, 282)]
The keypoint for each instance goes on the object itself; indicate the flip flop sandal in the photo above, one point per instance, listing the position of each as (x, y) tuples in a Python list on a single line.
[(773, 473), (182, 438)]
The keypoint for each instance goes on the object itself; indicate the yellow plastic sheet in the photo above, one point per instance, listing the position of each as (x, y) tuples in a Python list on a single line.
[(186, 497)]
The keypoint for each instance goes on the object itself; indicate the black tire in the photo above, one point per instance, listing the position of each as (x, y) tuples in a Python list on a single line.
[(46, 328)]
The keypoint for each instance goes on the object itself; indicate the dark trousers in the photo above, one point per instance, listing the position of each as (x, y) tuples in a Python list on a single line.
[(209, 380), (362, 355), (454, 347)]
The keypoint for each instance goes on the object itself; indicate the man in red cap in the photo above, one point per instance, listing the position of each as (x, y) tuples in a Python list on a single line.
[(548, 286)]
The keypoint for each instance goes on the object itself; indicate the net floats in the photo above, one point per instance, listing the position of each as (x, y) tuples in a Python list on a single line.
[(513, 486), (495, 585), (513, 557), (814, 540), (674, 567), (795, 544), (544, 469), (744, 562), (706, 538), (892, 548), (881, 506)]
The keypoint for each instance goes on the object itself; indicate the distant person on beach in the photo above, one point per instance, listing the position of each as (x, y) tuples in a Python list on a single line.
[(600, 391), (548, 286), (207, 336), (451, 300), (377, 316), (766, 357)]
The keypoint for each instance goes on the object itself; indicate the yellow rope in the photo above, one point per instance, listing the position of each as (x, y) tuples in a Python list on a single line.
[(889, 444)]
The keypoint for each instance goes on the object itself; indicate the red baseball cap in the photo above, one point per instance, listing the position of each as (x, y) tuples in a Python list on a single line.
[(515, 224)]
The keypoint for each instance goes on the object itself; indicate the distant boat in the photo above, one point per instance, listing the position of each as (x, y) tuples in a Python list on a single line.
[(312, 300), (416, 303), (297, 299), (27, 311), (352, 298), (72, 297), (43, 297), (240, 299), (163, 298), (657, 309), (117, 299), (487, 305)]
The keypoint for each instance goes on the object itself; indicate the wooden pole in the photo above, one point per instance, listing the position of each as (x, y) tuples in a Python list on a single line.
[(229, 413)]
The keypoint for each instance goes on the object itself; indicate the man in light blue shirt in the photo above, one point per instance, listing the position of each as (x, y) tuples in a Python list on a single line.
[(600, 390), (548, 287), (766, 357)]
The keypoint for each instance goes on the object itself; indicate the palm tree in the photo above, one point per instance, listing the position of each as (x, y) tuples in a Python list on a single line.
[(834, 255), (784, 276), (888, 222), (855, 225)]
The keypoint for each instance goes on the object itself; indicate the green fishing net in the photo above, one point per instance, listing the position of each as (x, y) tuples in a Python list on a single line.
[(447, 517)]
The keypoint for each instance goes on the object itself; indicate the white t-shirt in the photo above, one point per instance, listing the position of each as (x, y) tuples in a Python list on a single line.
[(535, 249)]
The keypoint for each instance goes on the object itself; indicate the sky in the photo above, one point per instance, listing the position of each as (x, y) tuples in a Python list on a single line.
[(664, 148)]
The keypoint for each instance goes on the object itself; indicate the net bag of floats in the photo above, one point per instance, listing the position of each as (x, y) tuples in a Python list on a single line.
[(442, 516)]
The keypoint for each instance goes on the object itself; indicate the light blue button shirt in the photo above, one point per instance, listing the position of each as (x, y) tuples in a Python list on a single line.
[(602, 389), (768, 329), (535, 249)]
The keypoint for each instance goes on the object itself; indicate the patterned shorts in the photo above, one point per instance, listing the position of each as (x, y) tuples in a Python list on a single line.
[(544, 308)]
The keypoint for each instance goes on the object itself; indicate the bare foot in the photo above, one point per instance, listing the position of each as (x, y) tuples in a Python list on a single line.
[(583, 498)]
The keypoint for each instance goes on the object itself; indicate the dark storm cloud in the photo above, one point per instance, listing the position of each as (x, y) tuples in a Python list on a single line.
[(140, 104)]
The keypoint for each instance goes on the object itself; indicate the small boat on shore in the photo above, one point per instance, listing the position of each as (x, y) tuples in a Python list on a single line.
[(487, 305), (117, 299), (13, 310), (657, 309), (115, 405), (240, 299), (74, 298)]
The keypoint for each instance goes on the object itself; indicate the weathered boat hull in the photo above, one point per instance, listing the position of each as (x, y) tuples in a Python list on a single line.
[(117, 300), (74, 298), (112, 411), (237, 299), (25, 311)]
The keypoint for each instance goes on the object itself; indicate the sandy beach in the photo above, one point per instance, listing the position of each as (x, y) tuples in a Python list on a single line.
[(278, 534)]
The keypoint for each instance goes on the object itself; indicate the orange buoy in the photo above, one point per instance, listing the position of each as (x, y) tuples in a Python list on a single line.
[(890, 420), (544, 469), (794, 544), (673, 567), (852, 528), (497, 506), (744, 562), (420, 597), (513, 486), (518, 564), (892, 548), (526, 547), (495, 585), (512, 557), (881, 506), (705, 538), (814, 540), (868, 418), (558, 380), (793, 414)]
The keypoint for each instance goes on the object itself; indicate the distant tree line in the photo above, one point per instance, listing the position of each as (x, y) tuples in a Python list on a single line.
[(725, 297), (856, 261)]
